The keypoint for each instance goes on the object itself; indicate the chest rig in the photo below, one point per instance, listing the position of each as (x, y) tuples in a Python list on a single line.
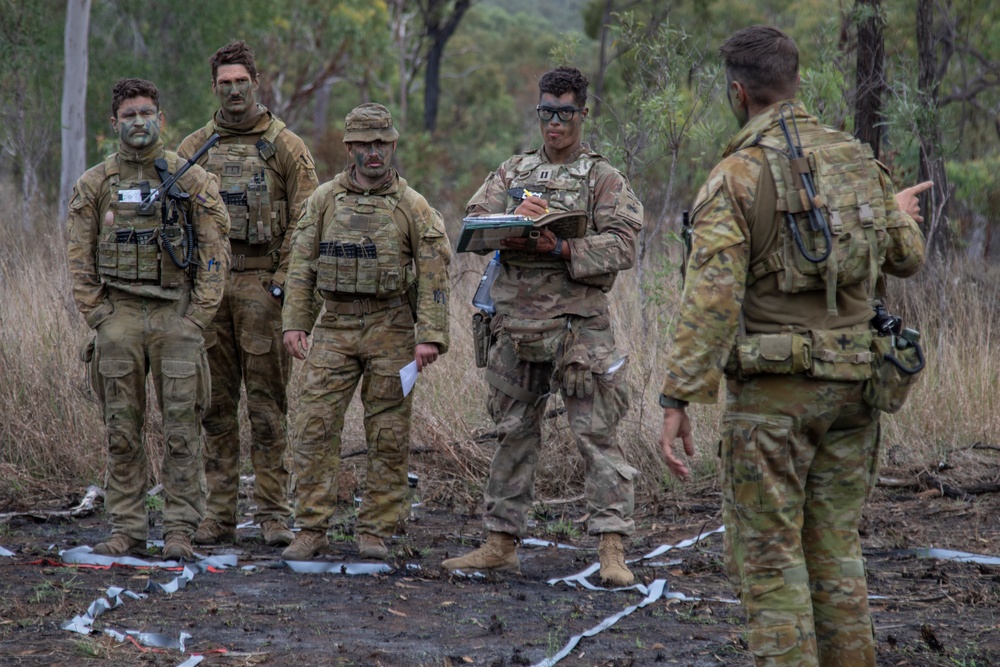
[(360, 248), (131, 250), (851, 201), (566, 187), (255, 218)]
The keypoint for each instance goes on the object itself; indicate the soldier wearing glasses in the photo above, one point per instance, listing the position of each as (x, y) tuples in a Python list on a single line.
[(554, 292)]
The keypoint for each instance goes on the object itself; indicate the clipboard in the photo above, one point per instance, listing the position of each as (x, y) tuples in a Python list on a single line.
[(485, 232)]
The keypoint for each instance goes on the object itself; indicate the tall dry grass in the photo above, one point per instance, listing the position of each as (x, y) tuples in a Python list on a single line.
[(51, 436)]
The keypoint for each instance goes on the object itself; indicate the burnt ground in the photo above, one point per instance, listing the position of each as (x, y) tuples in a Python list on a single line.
[(927, 611)]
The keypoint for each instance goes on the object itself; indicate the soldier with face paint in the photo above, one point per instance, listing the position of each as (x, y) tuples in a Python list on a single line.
[(148, 313), (378, 255), (553, 326), (266, 174)]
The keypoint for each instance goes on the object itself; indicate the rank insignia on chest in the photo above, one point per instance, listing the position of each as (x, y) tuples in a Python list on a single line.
[(544, 175), (232, 169)]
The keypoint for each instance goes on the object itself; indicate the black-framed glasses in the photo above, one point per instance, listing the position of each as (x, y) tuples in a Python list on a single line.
[(565, 114)]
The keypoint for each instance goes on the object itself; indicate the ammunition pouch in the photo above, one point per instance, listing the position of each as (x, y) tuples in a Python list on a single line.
[(890, 385), (482, 338), (775, 354), (535, 340)]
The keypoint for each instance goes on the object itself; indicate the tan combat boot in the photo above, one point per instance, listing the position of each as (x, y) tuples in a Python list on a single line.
[(372, 546), (614, 572), (177, 546), (307, 544), (276, 533), (211, 531), (499, 554), (120, 544)]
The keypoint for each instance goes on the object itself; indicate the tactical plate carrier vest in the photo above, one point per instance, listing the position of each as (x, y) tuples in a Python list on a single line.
[(359, 252), (254, 218), (566, 187), (132, 250), (851, 200)]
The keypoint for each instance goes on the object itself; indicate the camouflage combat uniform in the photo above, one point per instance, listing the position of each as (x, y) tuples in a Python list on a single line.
[(799, 448), (366, 333), (137, 302), (266, 175), (567, 301)]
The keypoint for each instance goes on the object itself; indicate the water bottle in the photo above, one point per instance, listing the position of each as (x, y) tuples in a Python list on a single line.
[(482, 299)]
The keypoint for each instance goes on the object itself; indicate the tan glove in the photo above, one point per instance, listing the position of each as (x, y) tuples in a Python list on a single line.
[(577, 379)]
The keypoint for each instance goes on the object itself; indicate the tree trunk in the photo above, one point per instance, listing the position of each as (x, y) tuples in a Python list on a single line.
[(870, 76), (934, 201), (439, 32), (74, 100), (602, 65)]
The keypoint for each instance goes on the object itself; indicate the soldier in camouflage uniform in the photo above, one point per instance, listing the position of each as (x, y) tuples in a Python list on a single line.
[(369, 244), (553, 325), (266, 175), (800, 447), (148, 314)]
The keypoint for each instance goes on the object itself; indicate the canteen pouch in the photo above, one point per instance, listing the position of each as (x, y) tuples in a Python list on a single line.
[(889, 387), (482, 338), (841, 355), (535, 340), (776, 354)]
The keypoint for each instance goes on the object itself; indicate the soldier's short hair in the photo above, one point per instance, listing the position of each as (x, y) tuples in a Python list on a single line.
[(765, 60), (562, 80), (126, 89), (234, 53)]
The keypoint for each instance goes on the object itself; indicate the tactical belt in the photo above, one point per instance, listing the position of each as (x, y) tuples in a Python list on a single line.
[(250, 258), (359, 307)]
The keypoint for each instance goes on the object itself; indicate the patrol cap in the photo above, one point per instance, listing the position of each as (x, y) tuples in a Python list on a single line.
[(369, 122)]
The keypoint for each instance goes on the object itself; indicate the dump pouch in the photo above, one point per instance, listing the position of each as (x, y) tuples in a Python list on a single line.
[(889, 386), (535, 340)]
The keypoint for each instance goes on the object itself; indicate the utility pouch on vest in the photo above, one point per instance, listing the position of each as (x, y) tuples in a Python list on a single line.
[(603, 281), (889, 386), (775, 354), (170, 274), (841, 355), (535, 340), (482, 338)]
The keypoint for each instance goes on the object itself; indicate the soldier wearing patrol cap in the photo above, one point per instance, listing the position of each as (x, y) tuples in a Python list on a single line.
[(378, 255), (778, 297)]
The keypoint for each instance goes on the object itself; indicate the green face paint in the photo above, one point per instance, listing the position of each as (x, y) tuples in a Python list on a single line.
[(235, 90), (372, 160), (138, 123)]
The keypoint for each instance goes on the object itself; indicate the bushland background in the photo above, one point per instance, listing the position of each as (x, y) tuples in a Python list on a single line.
[(920, 79)]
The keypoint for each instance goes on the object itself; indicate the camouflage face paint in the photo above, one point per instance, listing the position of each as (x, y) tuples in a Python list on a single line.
[(372, 160), (235, 90), (561, 138), (138, 123)]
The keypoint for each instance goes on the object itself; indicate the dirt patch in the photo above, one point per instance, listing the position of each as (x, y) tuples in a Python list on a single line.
[(927, 611)]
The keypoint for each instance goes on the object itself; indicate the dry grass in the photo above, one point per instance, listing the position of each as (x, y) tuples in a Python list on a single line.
[(51, 434)]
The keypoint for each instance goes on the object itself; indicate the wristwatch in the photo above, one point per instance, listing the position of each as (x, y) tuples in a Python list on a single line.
[(671, 402), (276, 291), (557, 251)]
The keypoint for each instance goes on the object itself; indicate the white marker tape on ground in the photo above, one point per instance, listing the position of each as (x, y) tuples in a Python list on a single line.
[(655, 593), (581, 577), (7, 553), (534, 542), (192, 661), (320, 567)]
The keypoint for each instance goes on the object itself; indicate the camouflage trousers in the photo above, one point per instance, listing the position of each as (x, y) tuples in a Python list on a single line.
[(149, 335), (798, 458), (347, 349), (244, 343), (518, 393)]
